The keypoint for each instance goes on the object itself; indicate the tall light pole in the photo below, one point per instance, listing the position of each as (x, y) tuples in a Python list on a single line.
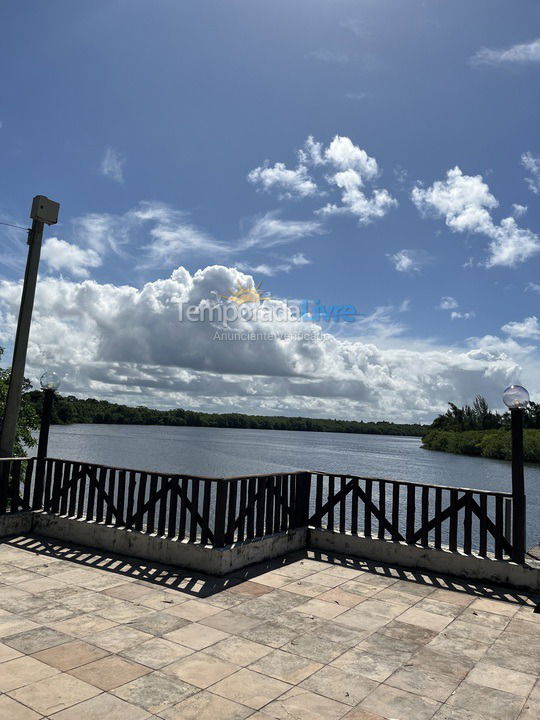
[(516, 398), (43, 212)]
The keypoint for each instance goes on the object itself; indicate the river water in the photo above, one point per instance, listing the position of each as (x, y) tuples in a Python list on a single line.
[(219, 452)]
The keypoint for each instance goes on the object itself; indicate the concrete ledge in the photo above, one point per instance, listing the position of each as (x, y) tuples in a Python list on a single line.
[(440, 561), (214, 561), (16, 523)]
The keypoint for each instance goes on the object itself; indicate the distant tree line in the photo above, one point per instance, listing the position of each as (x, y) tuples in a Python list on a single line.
[(69, 409), (476, 430)]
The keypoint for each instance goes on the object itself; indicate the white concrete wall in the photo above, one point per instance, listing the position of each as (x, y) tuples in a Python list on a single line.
[(439, 561)]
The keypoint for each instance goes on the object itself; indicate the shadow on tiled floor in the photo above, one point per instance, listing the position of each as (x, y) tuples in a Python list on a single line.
[(201, 585)]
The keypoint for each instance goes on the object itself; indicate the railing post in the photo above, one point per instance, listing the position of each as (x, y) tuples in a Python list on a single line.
[(302, 495), (220, 513), (518, 487)]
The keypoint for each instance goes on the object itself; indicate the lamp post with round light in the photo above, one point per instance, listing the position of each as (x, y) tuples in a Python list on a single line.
[(50, 382), (516, 398)]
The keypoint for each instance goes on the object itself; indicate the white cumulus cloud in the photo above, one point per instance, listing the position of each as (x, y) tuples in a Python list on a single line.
[(465, 202), (345, 168), (290, 183), (61, 255), (127, 344), (527, 328)]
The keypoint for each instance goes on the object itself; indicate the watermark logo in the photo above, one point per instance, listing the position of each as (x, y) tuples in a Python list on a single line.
[(245, 294), (245, 303)]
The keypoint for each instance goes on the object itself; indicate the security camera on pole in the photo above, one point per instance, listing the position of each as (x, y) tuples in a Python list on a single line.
[(44, 212)]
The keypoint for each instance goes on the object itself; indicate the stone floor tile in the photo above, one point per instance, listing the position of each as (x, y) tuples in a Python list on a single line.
[(439, 607), (359, 714), (38, 585), (501, 678), (452, 596), (196, 636), (156, 653), (455, 713), (459, 628), (424, 619), (250, 589), (194, 610), (127, 591), (109, 672), (22, 671), (406, 631), (12, 624), (83, 625), (307, 587), (121, 611), (337, 633), (422, 681), (54, 694), (161, 600), (454, 665), (272, 579), (393, 703), (527, 660), (315, 648), (238, 650), (8, 653), (470, 648), (70, 655), (155, 692), (35, 640), (158, 623), (368, 664), (119, 638), (494, 704), (12, 710), (207, 706), (103, 707), (320, 609), (285, 666), (483, 618), (200, 669), (51, 614), (499, 607), (250, 688), (339, 685), (301, 703), (270, 633), (231, 619), (341, 597)]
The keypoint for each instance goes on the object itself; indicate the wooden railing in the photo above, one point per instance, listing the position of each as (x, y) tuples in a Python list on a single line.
[(434, 516), (181, 507), (221, 511)]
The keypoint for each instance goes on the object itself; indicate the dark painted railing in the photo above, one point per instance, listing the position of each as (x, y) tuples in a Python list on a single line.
[(221, 511), (433, 516)]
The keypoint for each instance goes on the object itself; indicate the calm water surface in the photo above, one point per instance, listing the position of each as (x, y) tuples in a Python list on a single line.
[(218, 452)]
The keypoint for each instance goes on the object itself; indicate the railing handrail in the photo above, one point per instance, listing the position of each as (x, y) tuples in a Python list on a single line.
[(175, 475), (233, 478), (10, 459), (392, 481)]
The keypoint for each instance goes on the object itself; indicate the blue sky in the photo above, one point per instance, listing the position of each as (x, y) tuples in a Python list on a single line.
[(145, 120)]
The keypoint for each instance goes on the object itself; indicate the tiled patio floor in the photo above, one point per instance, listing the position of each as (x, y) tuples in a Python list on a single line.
[(85, 635)]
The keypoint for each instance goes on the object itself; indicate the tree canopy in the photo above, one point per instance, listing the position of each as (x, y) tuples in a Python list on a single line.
[(28, 417), (69, 409)]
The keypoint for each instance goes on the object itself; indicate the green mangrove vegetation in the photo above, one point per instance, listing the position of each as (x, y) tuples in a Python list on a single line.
[(476, 430), (69, 409)]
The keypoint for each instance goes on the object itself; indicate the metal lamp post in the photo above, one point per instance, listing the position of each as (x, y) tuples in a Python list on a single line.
[(516, 398), (50, 382)]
